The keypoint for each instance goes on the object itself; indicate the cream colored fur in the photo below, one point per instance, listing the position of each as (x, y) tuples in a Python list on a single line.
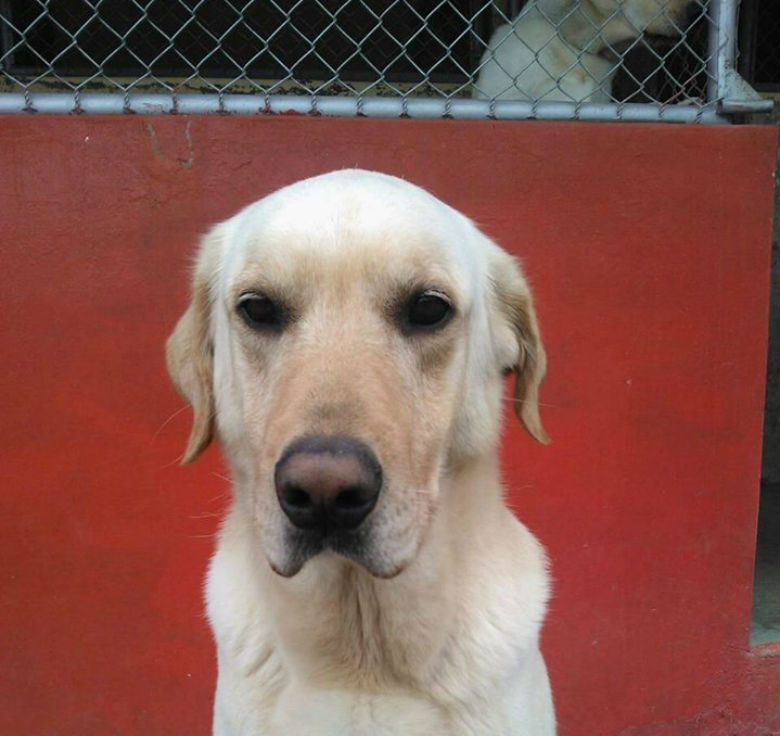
[(433, 627), (550, 51)]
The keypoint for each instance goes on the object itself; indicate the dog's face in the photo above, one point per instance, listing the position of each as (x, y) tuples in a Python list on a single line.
[(348, 334), (662, 17)]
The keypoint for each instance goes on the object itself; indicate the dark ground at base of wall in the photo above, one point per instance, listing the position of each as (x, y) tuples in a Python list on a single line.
[(765, 624)]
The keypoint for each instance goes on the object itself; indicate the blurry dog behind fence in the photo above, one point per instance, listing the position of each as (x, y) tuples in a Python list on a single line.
[(550, 51)]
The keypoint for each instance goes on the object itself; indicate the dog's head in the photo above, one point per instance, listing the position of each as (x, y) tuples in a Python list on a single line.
[(347, 337), (662, 17)]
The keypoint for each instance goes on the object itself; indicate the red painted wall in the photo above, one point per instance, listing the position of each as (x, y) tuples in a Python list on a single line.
[(648, 247)]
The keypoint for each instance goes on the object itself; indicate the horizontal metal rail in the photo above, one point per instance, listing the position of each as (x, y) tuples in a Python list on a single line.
[(380, 107)]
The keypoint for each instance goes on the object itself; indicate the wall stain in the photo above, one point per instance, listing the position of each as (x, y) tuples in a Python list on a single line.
[(184, 163)]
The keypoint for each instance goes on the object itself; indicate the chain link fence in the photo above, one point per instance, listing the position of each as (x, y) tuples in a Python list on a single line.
[(556, 59)]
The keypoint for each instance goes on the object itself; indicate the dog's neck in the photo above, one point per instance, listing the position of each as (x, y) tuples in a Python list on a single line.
[(586, 29), (339, 622)]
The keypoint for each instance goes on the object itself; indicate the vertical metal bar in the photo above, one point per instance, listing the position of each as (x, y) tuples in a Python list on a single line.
[(713, 46), (724, 85), (722, 46)]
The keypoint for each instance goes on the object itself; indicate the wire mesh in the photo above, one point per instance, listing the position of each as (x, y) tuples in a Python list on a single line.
[(607, 56)]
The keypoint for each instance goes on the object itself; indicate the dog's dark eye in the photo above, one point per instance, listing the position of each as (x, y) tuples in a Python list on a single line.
[(428, 310), (260, 312)]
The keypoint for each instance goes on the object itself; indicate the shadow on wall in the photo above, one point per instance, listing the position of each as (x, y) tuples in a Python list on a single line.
[(770, 469), (765, 621)]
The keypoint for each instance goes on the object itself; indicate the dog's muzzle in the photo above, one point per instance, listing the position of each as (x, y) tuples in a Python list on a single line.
[(327, 484)]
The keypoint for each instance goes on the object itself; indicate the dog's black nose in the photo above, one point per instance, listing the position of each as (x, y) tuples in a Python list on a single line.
[(327, 483)]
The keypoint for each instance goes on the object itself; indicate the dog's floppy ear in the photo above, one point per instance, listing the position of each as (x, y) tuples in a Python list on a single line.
[(189, 354), (520, 345)]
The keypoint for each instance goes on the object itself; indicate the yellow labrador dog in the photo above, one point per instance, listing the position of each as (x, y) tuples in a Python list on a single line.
[(550, 51), (346, 341)]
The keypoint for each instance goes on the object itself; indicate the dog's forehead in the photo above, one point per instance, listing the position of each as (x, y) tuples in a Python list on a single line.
[(351, 217)]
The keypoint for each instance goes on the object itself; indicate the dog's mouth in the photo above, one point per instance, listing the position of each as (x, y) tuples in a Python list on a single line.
[(354, 546)]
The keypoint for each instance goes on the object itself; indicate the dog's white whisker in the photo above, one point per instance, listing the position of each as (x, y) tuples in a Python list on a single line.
[(168, 420)]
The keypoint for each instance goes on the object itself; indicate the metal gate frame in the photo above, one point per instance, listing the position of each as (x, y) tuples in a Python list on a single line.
[(727, 94)]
